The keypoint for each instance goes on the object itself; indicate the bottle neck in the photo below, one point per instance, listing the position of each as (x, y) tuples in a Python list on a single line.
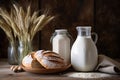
[(84, 31), (61, 32)]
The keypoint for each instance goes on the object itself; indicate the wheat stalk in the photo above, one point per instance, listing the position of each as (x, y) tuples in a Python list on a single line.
[(6, 28), (23, 24)]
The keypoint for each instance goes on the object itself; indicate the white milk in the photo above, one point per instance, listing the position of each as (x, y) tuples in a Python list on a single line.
[(84, 55), (61, 44)]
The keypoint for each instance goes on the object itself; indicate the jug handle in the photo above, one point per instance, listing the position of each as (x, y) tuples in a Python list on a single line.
[(96, 37)]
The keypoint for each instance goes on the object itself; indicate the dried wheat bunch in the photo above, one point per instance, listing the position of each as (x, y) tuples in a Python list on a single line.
[(22, 23)]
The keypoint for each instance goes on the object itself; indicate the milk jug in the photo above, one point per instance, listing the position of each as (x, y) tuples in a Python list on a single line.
[(61, 44), (84, 56)]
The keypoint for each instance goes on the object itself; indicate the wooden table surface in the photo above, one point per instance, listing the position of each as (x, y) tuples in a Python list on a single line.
[(7, 74)]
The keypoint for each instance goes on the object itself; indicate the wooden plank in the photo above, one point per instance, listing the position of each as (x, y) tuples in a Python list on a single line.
[(7, 74), (70, 14), (107, 25)]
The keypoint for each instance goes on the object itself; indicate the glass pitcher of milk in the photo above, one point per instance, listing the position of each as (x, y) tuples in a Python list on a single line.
[(84, 56)]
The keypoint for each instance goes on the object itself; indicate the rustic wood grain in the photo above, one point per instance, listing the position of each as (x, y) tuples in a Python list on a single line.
[(70, 14), (102, 15), (7, 74), (107, 25)]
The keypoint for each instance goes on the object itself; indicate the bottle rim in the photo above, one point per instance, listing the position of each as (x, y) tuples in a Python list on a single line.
[(84, 27), (61, 30)]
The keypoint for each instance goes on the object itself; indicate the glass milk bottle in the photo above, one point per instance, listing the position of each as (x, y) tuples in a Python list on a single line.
[(61, 44), (84, 56)]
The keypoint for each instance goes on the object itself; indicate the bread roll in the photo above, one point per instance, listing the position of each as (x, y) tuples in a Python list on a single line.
[(30, 62), (49, 59)]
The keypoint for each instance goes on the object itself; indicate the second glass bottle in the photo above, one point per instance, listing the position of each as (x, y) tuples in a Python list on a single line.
[(61, 41)]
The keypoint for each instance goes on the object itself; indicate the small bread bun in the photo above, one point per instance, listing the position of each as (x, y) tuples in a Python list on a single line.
[(30, 62), (49, 59)]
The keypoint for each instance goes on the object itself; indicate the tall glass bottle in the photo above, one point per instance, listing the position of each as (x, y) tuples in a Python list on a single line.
[(84, 54), (61, 41)]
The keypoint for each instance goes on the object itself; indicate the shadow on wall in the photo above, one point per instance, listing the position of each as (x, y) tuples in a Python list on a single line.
[(108, 27)]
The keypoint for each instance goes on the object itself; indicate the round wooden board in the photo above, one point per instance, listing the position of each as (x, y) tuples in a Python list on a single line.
[(45, 71)]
